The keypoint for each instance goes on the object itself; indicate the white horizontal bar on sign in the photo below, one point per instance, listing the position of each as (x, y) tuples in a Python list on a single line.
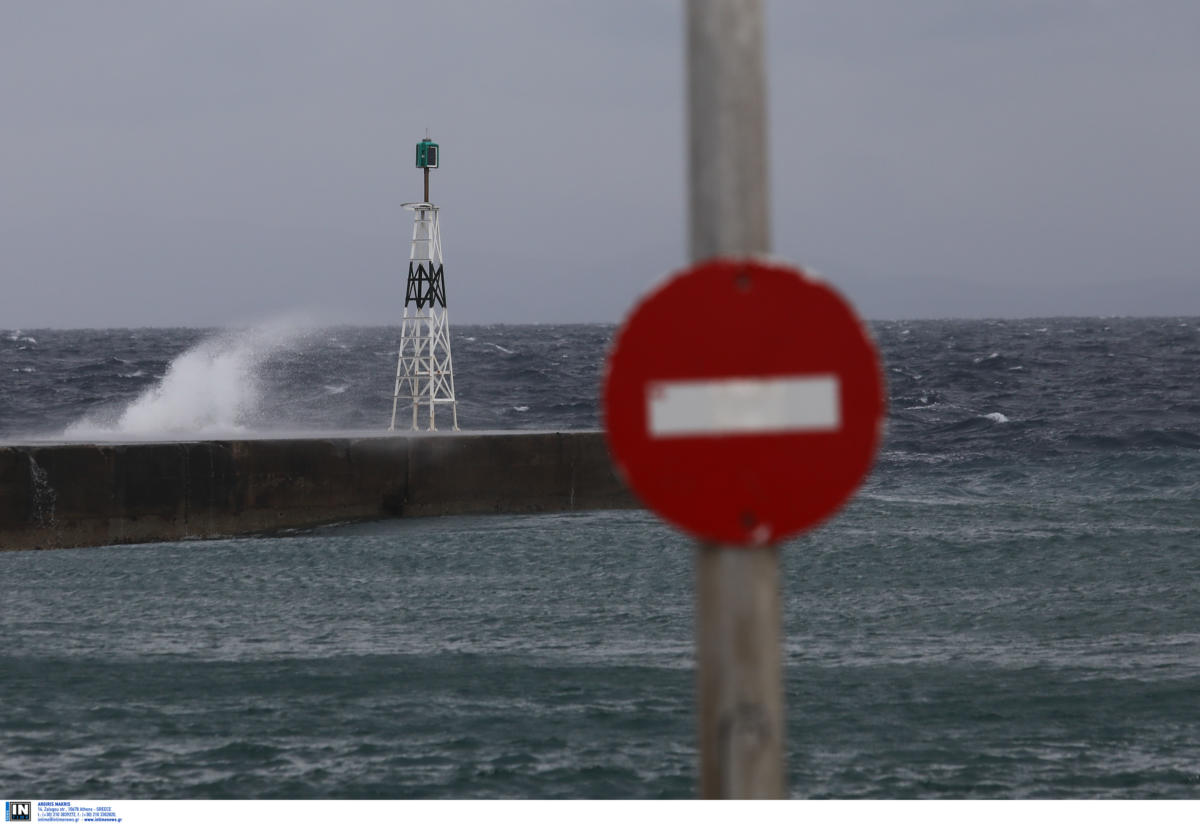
[(743, 406)]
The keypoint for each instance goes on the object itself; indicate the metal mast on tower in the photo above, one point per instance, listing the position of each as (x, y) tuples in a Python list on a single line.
[(424, 370)]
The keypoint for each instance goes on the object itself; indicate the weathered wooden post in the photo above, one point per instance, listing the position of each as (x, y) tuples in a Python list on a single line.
[(739, 681)]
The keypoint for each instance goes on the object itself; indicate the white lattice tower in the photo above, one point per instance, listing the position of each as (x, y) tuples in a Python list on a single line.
[(424, 369)]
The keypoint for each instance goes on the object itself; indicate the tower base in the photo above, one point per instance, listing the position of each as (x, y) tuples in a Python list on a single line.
[(424, 369)]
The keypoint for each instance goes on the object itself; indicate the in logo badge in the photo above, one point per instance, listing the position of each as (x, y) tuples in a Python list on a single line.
[(18, 811)]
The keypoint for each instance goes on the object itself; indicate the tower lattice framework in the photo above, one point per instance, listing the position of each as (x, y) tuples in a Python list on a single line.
[(424, 368)]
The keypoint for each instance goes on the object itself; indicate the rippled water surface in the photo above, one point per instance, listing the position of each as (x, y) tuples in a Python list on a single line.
[(1010, 607)]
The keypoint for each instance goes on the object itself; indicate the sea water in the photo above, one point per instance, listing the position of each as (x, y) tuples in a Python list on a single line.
[(1009, 608)]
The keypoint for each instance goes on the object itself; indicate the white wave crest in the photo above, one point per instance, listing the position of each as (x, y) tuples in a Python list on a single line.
[(996, 417), (210, 389)]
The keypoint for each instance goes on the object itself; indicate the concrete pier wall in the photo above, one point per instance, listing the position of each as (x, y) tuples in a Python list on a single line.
[(66, 495)]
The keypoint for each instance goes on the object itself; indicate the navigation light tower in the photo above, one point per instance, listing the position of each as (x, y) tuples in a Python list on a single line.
[(424, 370)]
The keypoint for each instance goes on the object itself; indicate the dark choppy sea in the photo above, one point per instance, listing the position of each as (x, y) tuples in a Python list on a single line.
[(1010, 607)]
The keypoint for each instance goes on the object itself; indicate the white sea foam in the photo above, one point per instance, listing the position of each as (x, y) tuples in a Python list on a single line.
[(996, 417), (210, 389)]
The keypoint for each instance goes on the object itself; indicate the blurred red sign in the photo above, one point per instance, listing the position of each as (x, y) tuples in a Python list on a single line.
[(743, 401)]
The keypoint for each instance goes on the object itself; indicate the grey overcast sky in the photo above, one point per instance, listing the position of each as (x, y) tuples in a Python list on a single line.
[(220, 162)]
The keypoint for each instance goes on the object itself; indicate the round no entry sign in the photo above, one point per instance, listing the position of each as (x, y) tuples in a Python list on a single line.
[(743, 401)]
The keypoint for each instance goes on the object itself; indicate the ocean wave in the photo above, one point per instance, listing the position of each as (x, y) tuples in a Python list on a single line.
[(212, 388), (938, 396), (975, 423), (1138, 439)]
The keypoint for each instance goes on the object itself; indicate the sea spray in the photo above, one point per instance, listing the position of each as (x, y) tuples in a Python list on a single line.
[(211, 389)]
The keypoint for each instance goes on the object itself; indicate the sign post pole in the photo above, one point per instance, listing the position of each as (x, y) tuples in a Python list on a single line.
[(739, 677), (743, 402)]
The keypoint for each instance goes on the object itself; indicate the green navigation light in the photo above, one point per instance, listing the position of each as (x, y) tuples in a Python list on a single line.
[(427, 154)]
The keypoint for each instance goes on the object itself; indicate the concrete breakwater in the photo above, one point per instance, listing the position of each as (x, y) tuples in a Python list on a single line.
[(74, 494)]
